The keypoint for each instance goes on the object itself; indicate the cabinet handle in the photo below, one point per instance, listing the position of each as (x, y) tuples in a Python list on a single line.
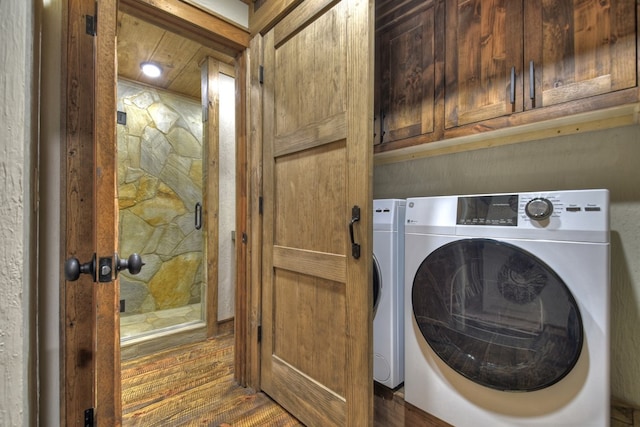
[(374, 128), (532, 84), (512, 95), (381, 125)]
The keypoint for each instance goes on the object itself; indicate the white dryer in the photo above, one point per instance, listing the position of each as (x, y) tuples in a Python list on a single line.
[(388, 284), (507, 308)]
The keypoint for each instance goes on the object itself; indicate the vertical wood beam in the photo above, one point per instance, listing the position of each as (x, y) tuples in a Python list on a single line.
[(243, 324), (107, 382), (77, 303), (254, 114)]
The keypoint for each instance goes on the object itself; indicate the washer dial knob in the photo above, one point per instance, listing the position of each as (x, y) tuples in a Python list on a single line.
[(538, 208)]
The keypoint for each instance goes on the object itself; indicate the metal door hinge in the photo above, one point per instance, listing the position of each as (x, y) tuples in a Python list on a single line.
[(205, 113), (91, 24), (121, 117), (88, 417), (261, 74)]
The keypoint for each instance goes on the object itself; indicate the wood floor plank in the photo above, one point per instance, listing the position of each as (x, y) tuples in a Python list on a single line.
[(144, 393), (194, 385)]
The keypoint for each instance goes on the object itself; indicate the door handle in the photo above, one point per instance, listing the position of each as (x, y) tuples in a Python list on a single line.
[(133, 264), (73, 269), (355, 217), (198, 216)]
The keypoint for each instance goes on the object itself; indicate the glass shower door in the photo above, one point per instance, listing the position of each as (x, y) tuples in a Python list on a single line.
[(160, 183)]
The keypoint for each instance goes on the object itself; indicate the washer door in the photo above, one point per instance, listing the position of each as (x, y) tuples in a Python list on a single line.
[(497, 315), (377, 285)]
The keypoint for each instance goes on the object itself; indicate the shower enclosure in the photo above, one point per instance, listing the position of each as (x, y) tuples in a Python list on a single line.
[(162, 213)]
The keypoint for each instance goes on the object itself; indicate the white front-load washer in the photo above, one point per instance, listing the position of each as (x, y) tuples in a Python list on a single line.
[(388, 283), (507, 308)]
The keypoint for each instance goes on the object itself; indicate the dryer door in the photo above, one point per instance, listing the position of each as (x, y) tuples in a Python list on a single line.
[(497, 315), (377, 285)]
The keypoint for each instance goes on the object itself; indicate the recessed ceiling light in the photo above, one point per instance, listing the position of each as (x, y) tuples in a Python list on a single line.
[(150, 69)]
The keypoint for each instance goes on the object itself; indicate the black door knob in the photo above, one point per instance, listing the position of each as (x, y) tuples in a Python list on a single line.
[(73, 269), (133, 264)]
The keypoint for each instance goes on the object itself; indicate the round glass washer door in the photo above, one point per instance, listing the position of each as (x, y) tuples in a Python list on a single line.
[(497, 314)]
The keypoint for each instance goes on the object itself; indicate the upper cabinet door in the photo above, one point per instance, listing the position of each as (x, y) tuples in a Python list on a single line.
[(577, 49), (316, 349), (483, 60), (405, 104)]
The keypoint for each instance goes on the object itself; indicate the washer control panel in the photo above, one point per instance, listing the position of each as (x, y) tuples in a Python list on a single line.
[(509, 209), (576, 215)]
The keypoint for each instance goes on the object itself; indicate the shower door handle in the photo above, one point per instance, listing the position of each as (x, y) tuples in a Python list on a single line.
[(198, 216)]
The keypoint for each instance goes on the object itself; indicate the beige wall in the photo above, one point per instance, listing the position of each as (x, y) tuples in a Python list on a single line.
[(50, 236), (17, 139), (601, 159), (235, 11), (227, 200)]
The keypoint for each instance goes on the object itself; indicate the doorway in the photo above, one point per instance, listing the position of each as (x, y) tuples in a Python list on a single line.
[(176, 188), (90, 340)]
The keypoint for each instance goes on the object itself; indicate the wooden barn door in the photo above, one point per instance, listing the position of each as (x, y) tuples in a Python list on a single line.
[(316, 312)]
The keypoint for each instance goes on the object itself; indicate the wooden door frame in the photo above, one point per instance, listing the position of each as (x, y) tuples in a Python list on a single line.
[(77, 314), (248, 345), (89, 112), (210, 70)]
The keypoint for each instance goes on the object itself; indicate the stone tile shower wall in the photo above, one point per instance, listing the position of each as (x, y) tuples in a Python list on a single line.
[(159, 184)]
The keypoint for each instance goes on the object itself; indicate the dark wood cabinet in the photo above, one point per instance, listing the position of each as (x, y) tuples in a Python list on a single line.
[(452, 68), (507, 56), (483, 57), (578, 49), (407, 76)]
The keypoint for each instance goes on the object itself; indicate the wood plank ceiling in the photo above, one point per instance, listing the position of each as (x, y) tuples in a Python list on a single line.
[(179, 57)]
